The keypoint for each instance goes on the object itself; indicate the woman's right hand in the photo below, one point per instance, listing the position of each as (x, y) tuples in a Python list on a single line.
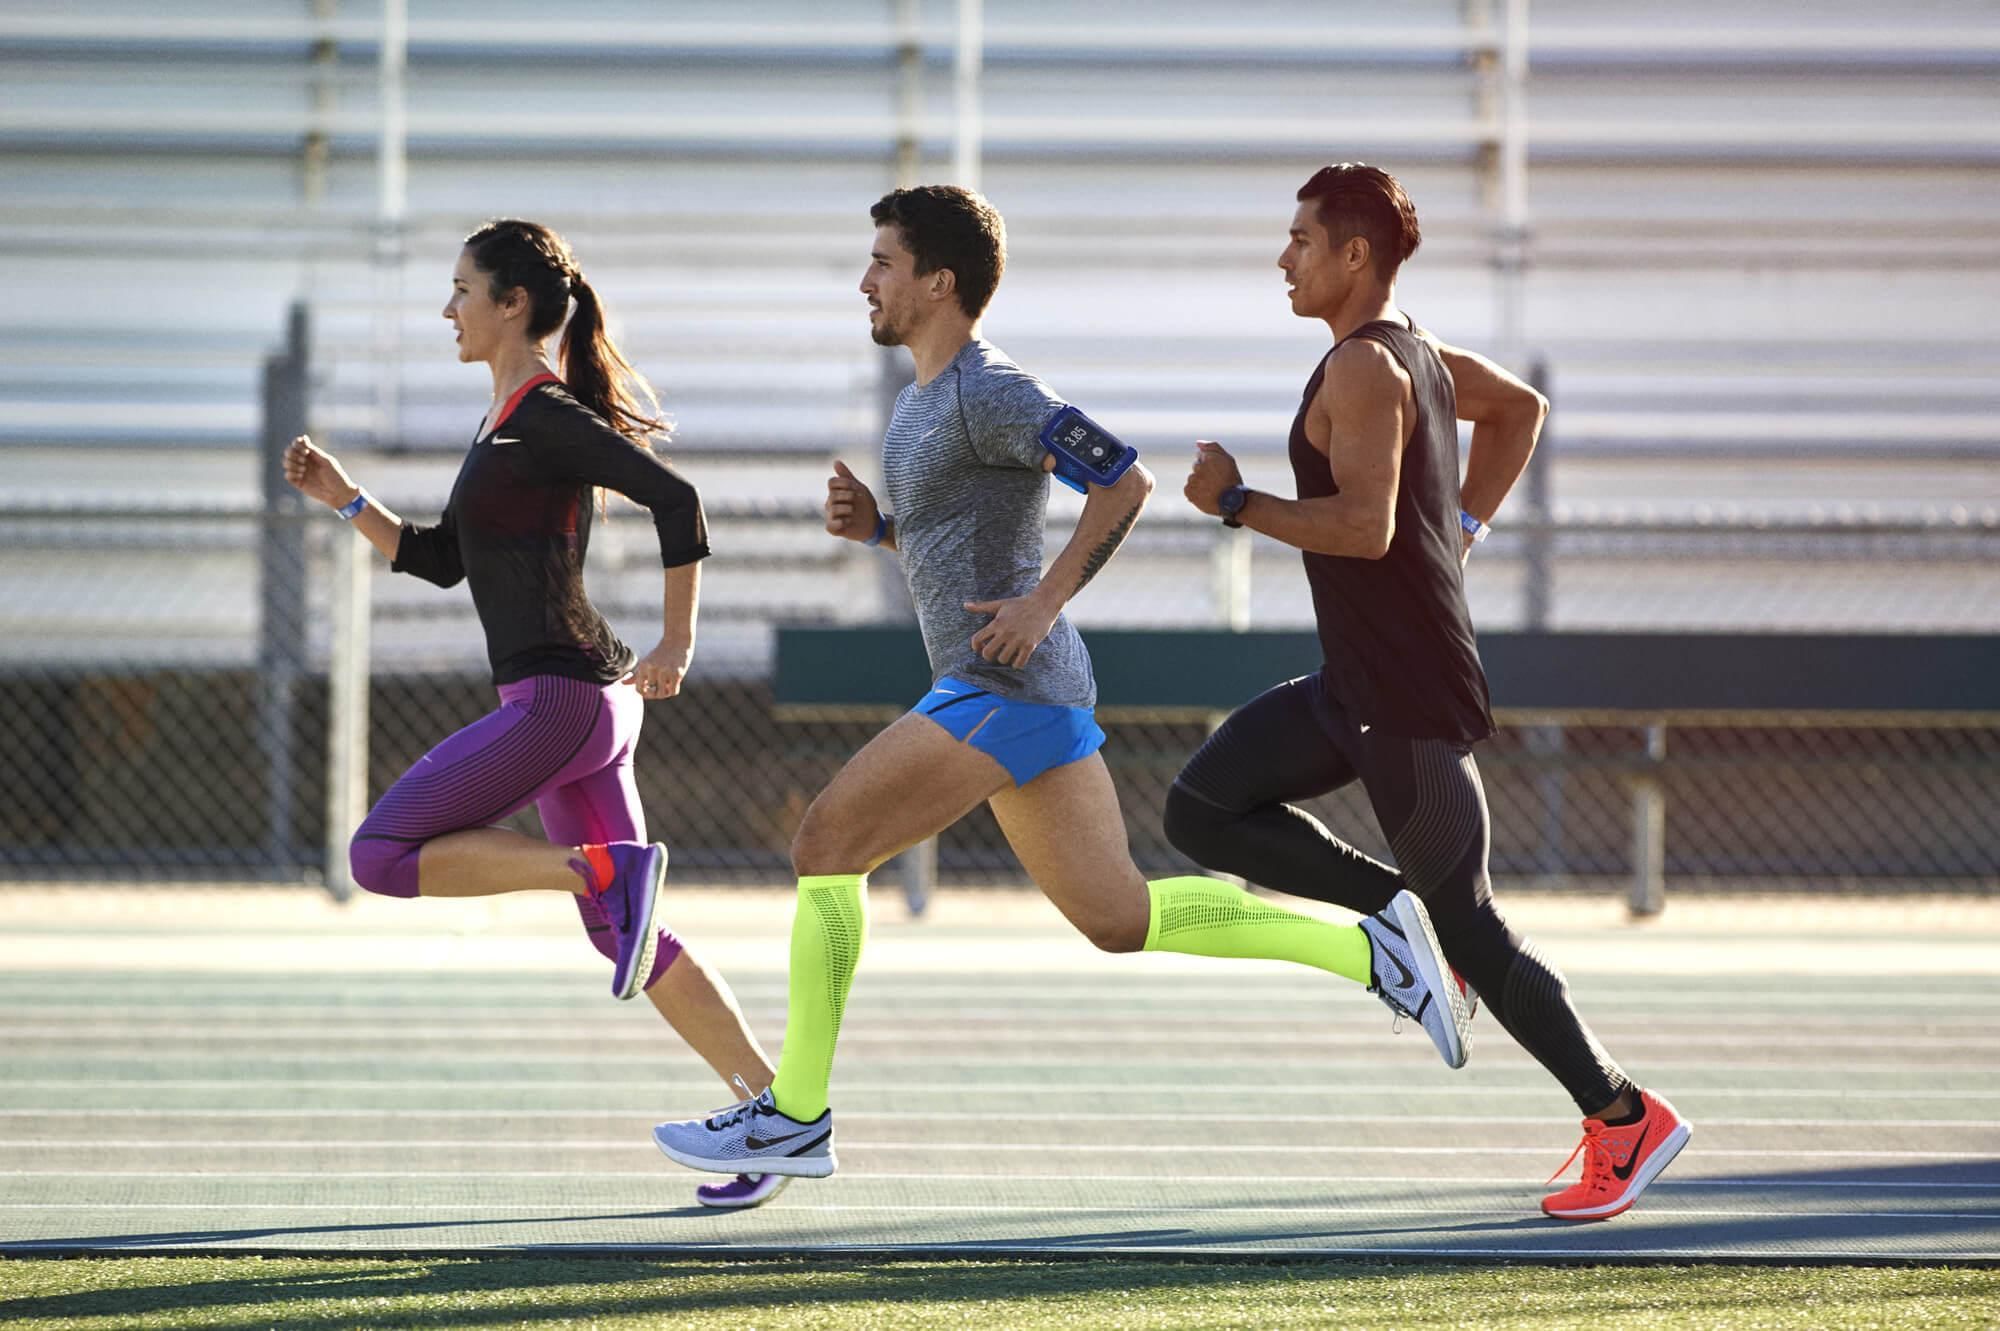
[(317, 475)]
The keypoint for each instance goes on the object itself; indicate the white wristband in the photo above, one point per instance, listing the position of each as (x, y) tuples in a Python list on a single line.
[(1473, 527)]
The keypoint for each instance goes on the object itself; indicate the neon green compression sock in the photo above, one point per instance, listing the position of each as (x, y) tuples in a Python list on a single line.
[(1206, 917), (828, 929)]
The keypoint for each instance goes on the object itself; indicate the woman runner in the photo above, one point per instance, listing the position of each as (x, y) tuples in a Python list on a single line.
[(516, 529)]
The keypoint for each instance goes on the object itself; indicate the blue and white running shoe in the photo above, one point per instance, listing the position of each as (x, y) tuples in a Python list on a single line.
[(751, 1137), (1412, 978)]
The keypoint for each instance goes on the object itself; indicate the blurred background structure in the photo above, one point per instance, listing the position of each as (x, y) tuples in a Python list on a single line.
[(1753, 257)]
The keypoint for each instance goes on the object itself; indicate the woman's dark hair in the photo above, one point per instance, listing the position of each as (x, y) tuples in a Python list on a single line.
[(948, 226), (521, 254), (1356, 199)]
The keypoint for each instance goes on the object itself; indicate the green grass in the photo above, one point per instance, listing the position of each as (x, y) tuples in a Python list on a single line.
[(698, 1294)]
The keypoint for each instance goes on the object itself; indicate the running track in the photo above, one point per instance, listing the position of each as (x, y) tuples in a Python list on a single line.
[(253, 1070)]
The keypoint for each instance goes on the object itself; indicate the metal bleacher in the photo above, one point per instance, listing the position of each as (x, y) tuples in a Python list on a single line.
[(1757, 257)]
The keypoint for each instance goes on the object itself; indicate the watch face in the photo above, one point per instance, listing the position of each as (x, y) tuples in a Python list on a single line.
[(1231, 500)]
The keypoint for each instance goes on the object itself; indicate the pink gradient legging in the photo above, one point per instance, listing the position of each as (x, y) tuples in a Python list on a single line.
[(562, 745)]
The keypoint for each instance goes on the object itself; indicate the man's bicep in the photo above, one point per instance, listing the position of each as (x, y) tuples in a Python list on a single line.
[(1362, 400), (1008, 441), (1004, 420)]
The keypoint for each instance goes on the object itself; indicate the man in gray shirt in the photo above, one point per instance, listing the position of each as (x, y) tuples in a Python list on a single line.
[(962, 463), (1008, 719)]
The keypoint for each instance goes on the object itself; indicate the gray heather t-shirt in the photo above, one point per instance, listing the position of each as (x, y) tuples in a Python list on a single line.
[(962, 467)]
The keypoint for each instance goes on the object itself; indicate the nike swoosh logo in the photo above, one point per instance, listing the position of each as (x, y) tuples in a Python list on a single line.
[(1632, 1161), (756, 1143), (1408, 980)]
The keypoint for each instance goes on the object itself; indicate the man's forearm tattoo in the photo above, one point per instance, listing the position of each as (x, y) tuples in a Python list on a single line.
[(1107, 547)]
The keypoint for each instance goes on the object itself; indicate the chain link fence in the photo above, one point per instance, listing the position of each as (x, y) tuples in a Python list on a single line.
[(137, 772), (216, 692)]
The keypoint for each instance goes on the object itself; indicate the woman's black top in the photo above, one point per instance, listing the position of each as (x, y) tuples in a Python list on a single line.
[(517, 528)]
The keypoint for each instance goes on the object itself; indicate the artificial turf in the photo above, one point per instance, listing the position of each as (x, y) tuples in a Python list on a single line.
[(829, 1295)]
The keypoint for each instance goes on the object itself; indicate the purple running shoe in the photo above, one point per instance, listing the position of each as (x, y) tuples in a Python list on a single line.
[(742, 1192), (631, 902)]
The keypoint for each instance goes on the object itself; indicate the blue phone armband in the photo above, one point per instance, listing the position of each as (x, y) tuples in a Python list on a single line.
[(1086, 453)]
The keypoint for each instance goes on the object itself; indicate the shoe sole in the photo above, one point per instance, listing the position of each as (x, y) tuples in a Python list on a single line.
[(1642, 1178), (627, 985), (783, 1181), (790, 1166), (1409, 915)]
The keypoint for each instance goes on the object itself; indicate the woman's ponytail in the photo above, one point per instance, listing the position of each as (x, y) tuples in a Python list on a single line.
[(600, 377)]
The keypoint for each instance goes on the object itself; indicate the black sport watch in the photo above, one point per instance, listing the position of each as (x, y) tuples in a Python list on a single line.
[(1231, 503)]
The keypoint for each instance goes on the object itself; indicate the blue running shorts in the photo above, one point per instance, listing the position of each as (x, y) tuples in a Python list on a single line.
[(1027, 738)]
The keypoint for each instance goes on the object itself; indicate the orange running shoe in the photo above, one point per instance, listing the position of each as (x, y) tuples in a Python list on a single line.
[(1619, 1162)]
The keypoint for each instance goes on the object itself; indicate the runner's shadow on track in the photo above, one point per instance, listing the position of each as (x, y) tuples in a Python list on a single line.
[(1110, 1241), (1526, 1224), (204, 1239)]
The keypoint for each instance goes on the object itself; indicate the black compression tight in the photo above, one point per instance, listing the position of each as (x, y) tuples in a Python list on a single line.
[(1231, 809)]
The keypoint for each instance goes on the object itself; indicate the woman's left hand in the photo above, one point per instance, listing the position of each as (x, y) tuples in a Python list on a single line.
[(658, 674)]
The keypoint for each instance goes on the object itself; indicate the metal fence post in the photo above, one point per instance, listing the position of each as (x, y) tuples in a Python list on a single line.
[(1550, 740), (1230, 571), (1539, 547), (346, 706), (1649, 828), (282, 587), (966, 68)]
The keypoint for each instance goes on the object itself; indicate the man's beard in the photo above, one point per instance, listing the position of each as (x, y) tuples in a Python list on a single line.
[(882, 329)]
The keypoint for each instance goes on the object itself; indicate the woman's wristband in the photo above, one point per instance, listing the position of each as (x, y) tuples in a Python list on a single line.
[(881, 529), (352, 508)]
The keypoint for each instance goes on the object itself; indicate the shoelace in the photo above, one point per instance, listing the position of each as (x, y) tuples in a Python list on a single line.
[(1376, 988), (1596, 1157), (731, 1115)]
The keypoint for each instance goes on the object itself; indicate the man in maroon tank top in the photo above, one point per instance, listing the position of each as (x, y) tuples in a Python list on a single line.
[(1384, 523)]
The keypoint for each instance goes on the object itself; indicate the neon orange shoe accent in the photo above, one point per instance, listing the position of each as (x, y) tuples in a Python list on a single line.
[(1619, 1162), (597, 868)]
